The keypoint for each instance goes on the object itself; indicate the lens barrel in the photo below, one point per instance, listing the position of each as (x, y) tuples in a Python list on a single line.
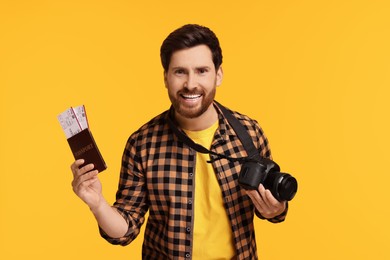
[(282, 185)]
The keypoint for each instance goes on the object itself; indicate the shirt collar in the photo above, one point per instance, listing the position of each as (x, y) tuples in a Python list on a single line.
[(224, 132)]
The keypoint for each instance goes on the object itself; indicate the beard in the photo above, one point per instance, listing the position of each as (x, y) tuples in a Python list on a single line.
[(192, 110)]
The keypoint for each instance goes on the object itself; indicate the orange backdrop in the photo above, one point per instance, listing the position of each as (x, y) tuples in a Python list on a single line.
[(315, 74)]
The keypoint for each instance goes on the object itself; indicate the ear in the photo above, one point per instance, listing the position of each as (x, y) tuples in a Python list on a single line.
[(165, 79), (219, 76)]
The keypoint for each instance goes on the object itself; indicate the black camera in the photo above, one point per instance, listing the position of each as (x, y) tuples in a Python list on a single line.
[(282, 185)]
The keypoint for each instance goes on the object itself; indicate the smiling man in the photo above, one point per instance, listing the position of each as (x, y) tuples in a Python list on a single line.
[(191, 80), (197, 210)]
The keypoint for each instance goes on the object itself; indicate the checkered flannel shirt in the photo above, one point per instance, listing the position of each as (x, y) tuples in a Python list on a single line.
[(157, 174)]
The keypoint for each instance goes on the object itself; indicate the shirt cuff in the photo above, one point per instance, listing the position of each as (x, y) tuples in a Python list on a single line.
[(277, 219), (126, 239)]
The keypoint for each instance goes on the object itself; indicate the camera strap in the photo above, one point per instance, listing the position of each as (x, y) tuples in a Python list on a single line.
[(240, 130)]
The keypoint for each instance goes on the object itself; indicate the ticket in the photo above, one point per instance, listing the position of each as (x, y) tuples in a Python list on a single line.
[(69, 122), (81, 116)]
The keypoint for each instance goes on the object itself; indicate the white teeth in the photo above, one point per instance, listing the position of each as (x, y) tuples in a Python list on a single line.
[(191, 96)]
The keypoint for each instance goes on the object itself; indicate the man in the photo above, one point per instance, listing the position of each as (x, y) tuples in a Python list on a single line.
[(197, 210)]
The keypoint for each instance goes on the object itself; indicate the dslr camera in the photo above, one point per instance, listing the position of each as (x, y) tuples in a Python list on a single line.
[(283, 186)]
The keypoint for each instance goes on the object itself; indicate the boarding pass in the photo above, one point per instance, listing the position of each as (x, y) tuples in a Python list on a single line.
[(73, 120)]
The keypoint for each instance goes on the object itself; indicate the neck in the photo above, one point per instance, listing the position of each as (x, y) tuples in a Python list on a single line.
[(202, 122)]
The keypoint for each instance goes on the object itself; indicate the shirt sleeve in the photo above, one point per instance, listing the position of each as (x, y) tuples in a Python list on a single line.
[(131, 197)]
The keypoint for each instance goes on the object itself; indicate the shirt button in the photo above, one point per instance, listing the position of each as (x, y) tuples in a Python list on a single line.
[(188, 255), (191, 174), (188, 229), (190, 202)]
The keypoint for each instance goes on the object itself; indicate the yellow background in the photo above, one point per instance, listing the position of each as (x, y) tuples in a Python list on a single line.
[(315, 74)]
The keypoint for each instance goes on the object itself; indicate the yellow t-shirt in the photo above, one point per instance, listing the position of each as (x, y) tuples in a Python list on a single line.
[(213, 238)]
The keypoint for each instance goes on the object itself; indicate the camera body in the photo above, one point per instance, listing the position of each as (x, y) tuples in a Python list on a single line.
[(283, 186)]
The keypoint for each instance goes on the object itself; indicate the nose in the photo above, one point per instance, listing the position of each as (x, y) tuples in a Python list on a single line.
[(191, 81)]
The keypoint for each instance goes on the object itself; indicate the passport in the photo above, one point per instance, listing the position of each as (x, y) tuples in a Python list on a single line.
[(80, 139), (83, 146)]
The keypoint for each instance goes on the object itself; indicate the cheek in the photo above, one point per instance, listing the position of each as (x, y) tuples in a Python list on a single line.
[(172, 85), (209, 83)]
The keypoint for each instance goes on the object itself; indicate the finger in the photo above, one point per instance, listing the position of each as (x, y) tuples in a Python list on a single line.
[(84, 179), (81, 171), (262, 192), (76, 164), (271, 203), (87, 168), (84, 185), (85, 176), (275, 207), (270, 199), (257, 200)]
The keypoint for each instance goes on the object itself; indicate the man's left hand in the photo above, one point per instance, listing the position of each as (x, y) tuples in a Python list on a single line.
[(265, 202)]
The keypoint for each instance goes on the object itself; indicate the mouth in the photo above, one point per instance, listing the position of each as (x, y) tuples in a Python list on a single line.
[(192, 97)]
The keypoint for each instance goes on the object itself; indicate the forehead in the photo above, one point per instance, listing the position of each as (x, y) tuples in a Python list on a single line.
[(195, 56)]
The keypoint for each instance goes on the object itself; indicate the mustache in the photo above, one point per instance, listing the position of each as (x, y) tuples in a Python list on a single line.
[(194, 91)]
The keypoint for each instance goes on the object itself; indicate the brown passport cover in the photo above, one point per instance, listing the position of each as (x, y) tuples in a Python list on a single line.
[(83, 146)]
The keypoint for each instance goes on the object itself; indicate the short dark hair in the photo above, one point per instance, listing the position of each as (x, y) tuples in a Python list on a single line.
[(188, 36)]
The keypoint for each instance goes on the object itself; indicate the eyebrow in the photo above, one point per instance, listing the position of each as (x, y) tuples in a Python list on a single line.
[(199, 67)]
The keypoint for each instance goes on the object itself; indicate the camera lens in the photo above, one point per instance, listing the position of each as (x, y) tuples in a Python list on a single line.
[(282, 185), (286, 187)]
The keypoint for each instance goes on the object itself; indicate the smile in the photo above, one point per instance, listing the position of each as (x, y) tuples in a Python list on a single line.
[(191, 97)]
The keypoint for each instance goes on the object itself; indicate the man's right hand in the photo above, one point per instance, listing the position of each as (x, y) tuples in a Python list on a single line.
[(88, 187), (86, 184)]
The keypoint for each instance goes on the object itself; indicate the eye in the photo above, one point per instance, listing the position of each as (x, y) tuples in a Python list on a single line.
[(179, 71), (202, 70)]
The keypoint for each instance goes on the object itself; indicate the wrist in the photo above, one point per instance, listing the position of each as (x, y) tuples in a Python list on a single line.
[(99, 206)]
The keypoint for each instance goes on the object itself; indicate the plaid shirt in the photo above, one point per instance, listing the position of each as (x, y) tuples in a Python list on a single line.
[(157, 174)]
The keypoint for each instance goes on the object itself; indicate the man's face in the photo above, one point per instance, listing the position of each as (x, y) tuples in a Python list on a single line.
[(191, 80)]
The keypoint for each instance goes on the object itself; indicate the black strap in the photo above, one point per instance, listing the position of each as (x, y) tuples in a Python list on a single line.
[(241, 132), (237, 127)]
